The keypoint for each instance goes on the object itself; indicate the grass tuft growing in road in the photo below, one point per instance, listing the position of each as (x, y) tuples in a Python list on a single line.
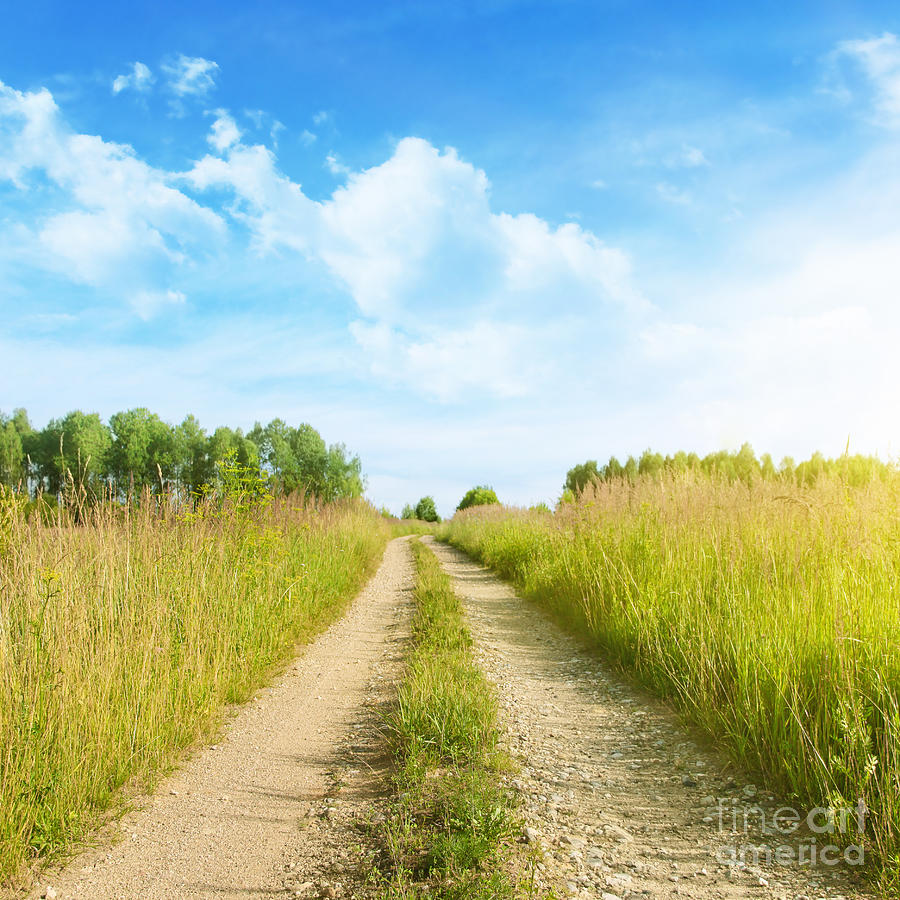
[(450, 832)]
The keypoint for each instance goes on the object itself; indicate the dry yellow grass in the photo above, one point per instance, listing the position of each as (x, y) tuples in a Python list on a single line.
[(769, 612), (122, 639)]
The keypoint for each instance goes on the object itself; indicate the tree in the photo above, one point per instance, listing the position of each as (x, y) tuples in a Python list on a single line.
[(746, 466), (425, 510), (482, 495), (650, 463), (578, 477), (12, 453), (299, 460), (228, 442), (613, 469), (193, 467), (409, 512), (343, 474), (77, 447), (143, 447)]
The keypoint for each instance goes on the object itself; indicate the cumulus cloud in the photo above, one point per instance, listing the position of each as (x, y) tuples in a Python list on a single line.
[(126, 229), (443, 283), (416, 244), (224, 131), (139, 79), (879, 60), (335, 166), (190, 76)]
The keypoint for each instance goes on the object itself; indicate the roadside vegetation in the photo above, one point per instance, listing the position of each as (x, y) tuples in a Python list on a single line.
[(765, 601), (126, 628), (451, 830), (482, 495)]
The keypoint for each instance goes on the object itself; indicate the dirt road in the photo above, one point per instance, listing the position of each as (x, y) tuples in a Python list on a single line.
[(618, 792), (272, 809)]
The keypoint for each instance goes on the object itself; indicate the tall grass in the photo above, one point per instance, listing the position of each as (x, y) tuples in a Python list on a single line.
[(122, 639), (771, 614)]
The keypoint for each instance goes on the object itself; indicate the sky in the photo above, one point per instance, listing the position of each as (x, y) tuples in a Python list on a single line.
[(477, 242)]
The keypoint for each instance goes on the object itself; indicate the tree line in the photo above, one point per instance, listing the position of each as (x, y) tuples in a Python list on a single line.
[(736, 465), (137, 451)]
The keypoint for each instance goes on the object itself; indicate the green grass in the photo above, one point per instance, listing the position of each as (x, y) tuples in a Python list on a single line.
[(769, 613), (403, 527), (123, 638), (450, 831)]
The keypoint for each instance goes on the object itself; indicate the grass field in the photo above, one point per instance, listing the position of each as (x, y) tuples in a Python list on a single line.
[(450, 828), (770, 613), (123, 638)]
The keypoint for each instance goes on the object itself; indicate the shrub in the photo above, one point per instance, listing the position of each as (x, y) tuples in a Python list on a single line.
[(425, 510), (481, 495)]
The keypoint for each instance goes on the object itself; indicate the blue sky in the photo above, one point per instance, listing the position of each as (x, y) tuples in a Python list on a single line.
[(477, 242)]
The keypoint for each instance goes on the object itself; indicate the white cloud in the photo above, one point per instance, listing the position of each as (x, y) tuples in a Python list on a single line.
[(672, 194), (599, 184), (335, 166), (307, 138), (693, 157), (322, 117), (879, 59), (191, 76), (140, 79), (148, 303), (126, 229), (452, 363), (416, 244), (275, 130), (225, 132)]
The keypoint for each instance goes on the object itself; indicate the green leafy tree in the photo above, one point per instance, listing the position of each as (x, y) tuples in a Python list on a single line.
[(409, 512), (580, 476), (75, 447), (426, 511), (650, 463), (143, 452), (227, 442), (482, 495), (613, 469), (12, 453), (746, 465), (299, 460), (343, 474), (193, 466)]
